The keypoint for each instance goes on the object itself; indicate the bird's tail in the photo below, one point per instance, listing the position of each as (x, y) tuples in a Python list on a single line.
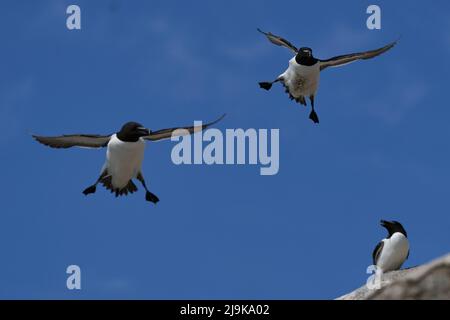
[(129, 188)]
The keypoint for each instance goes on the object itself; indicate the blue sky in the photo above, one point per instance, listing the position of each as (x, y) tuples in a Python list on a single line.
[(380, 151)]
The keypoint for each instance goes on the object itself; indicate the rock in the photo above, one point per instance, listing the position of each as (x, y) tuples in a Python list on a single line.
[(428, 281)]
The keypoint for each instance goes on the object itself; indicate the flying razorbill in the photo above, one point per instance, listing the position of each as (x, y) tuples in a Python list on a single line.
[(390, 253), (124, 154), (301, 78)]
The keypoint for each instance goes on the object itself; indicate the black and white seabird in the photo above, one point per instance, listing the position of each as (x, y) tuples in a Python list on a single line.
[(124, 153), (390, 253), (301, 78)]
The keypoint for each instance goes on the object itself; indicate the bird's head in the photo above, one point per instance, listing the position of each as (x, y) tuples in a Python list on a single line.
[(132, 131), (305, 52), (305, 57), (393, 227)]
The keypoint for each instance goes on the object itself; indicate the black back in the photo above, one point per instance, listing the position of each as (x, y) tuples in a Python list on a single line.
[(377, 251)]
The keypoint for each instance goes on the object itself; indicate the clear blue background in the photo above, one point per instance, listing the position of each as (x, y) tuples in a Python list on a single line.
[(380, 151)]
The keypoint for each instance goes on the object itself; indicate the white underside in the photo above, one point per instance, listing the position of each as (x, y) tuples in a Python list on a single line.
[(394, 253), (123, 160), (301, 80)]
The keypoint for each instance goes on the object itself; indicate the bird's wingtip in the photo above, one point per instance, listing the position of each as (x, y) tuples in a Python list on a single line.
[(219, 119), (39, 139), (393, 43)]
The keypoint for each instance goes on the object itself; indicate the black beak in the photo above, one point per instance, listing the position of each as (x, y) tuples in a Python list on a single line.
[(385, 223), (143, 131)]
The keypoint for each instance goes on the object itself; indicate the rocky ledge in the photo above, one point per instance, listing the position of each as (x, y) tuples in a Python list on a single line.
[(428, 281)]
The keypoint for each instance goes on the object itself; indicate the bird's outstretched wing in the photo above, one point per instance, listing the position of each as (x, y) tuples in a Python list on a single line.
[(279, 41), (178, 131), (377, 251), (74, 140), (348, 58)]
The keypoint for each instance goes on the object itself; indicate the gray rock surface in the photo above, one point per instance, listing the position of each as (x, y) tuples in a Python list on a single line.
[(428, 281)]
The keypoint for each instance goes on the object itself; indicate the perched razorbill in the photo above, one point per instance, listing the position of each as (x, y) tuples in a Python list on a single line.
[(390, 253)]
